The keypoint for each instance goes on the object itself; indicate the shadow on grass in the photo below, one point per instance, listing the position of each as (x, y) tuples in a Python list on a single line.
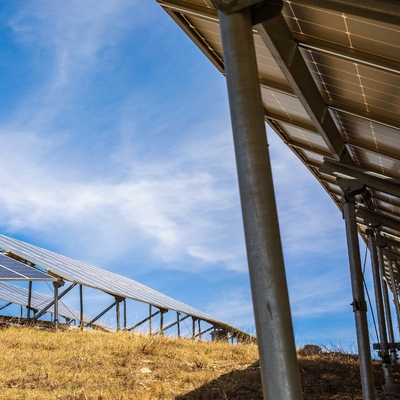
[(323, 377), (240, 384)]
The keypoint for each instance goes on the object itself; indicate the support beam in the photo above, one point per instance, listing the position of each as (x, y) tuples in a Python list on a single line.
[(279, 41), (359, 304), (5, 306), (177, 322), (43, 311), (380, 311), (370, 215), (368, 178), (383, 240), (144, 320), (102, 313), (278, 358)]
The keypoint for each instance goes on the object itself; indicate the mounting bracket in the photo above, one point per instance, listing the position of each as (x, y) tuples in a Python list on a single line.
[(260, 10)]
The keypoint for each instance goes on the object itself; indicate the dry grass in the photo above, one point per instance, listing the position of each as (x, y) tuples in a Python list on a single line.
[(72, 365)]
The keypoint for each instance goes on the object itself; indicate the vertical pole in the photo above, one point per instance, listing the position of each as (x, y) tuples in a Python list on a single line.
[(359, 304), (178, 323), (125, 314), (118, 312), (199, 327), (389, 321), (56, 286), (380, 311), (150, 324), (161, 321), (193, 327), (81, 306), (394, 289), (278, 359), (29, 300)]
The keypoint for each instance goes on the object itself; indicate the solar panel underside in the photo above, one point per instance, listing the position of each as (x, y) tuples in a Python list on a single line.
[(354, 63), (19, 295), (91, 276), (13, 270)]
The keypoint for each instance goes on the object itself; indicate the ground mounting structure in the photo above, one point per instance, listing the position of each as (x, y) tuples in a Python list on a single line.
[(64, 270), (325, 76)]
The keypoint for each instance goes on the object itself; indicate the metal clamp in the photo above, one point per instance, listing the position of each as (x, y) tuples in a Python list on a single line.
[(359, 305)]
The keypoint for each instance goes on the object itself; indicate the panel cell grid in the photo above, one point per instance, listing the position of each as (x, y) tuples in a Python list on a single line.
[(91, 276), (11, 269)]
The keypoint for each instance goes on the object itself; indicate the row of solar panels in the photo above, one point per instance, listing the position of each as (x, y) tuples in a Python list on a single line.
[(329, 73), (19, 295), (83, 274)]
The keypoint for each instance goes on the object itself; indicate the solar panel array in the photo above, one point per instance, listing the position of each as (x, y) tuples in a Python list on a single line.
[(91, 276), (19, 295), (13, 270), (342, 101)]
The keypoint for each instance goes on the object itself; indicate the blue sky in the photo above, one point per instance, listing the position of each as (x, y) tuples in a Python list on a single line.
[(117, 150)]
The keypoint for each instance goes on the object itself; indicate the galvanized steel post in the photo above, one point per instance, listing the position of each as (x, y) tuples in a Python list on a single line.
[(383, 341), (118, 313), (81, 306), (56, 285), (359, 304), (394, 289), (29, 301), (278, 359), (389, 321)]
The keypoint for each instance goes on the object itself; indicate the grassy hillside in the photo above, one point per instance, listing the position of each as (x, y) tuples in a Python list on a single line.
[(72, 365)]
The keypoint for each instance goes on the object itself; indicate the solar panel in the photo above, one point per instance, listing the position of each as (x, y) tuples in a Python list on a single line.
[(14, 270), (91, 276), (19, 295)]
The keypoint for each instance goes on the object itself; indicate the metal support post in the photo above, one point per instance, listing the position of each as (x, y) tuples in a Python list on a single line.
[(125, 314), (380, 311), (278, 359), (82, 323), (150, 324), (29, 301), (193, 327), (394, 289), (359, 304), (55, 307), (161, 322), (389, 321), (178, 323), (118, 313), (199, 328)]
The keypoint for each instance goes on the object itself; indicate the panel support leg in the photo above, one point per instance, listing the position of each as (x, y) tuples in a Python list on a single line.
[(389, 321), (125, 314), (383, 341), (278, 359), (359, 304), (55, 306), (150, 321), (394, 289), (82, 323), (29, 301)]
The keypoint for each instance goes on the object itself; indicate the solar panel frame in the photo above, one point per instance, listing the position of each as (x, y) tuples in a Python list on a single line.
[(14, 270), (19, 295), (91, 276)]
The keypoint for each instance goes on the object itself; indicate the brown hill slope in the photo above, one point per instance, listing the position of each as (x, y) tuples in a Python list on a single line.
[(72, 365)]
